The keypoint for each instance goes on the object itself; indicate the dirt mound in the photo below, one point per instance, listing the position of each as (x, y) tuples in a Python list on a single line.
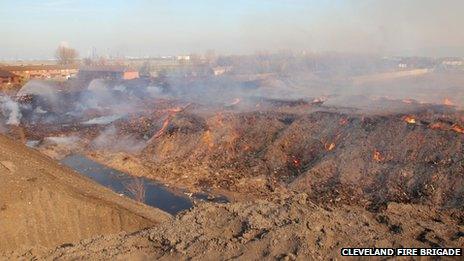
[(333, 156), (384, 159), (46, 204), (286, 228), (257, 145)]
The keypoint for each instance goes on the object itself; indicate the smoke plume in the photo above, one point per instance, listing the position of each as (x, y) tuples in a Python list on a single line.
[(10, 109)]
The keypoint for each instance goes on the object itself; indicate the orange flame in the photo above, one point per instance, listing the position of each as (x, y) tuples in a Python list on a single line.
[(410, 119), (408, 101), (161, 131), (377, 156), (457, 128), (330, 146), (171, 113), (175, 109), (448, 102)]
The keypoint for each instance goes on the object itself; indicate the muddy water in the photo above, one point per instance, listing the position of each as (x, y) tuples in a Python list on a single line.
[(156, 195)]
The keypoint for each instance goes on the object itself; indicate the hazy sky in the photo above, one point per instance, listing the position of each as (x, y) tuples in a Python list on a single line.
[(34, 28)]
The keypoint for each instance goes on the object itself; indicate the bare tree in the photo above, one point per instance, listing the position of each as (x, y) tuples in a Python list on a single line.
[(65, 55)]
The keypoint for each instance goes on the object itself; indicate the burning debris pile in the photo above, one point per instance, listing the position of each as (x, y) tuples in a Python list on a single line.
[(252, 144), (333, 156)]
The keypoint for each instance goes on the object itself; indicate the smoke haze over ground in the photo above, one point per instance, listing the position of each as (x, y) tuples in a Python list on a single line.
[(345, 80), (10, 109)]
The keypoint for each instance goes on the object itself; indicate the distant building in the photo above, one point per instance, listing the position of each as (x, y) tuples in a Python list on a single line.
[(219, 70), (7, 77), (113, 72), (183, 57), (402, 65), (42, 71), (453, 62)]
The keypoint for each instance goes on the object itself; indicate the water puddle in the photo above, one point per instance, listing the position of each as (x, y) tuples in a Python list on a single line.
[(141, 189)]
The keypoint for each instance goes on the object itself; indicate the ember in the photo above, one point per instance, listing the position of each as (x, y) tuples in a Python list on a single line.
[(408, 101), (446, 127), (448, 102), (457, 128), (377, 156), (409, 120), (343, 121), (296, 162), (330, 146)]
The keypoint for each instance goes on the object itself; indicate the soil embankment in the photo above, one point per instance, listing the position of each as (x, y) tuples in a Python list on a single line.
[(284, 228), (44, 204)]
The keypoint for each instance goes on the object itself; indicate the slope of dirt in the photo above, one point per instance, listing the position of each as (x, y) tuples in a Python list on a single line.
[(46, 204), (365, 159), (381, 159), (284, 228)]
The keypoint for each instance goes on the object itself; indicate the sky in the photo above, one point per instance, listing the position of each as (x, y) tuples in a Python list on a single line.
[(33, 29)]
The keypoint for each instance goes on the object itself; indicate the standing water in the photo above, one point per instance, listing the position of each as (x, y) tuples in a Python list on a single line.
[(142, 189)]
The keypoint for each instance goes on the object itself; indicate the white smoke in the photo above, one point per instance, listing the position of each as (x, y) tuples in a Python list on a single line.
[(110, 140), (67, 141), (102, 120), (45, 89), (10, 109), (154, 91), (102, 96)]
